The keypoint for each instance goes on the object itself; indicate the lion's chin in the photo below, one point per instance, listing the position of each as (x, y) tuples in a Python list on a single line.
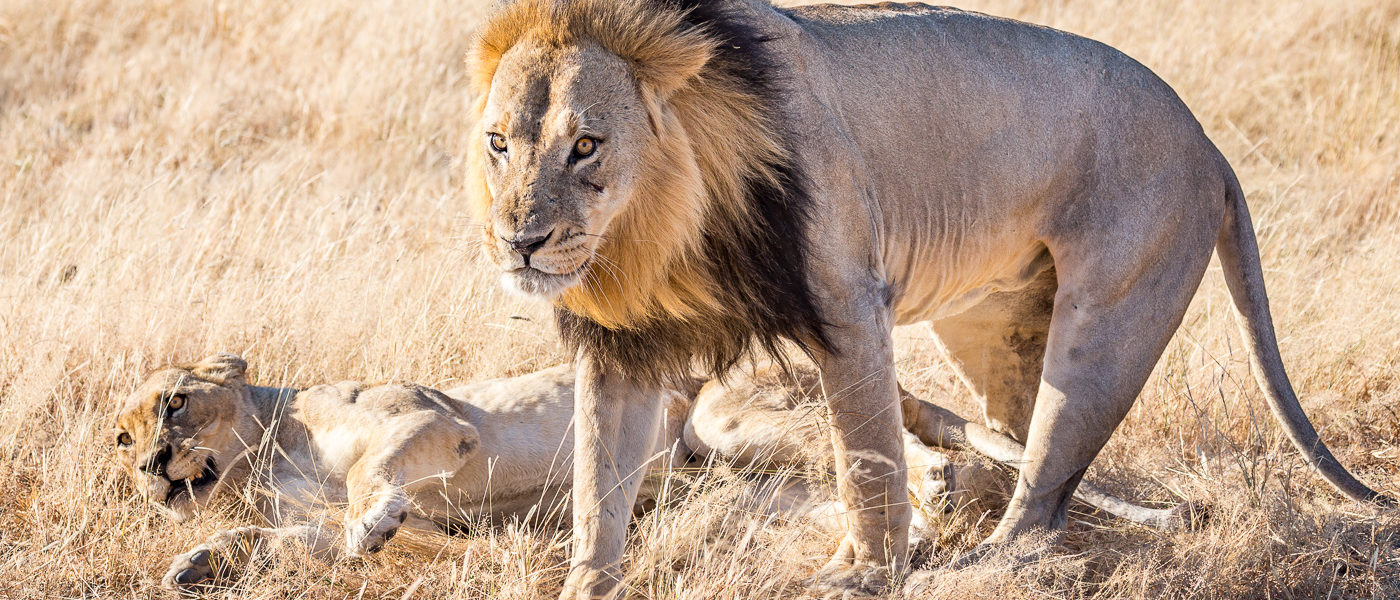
[(536, 284)]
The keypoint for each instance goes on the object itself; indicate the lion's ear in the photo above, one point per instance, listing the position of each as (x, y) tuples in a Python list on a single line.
[(222, 368), (667, 64)]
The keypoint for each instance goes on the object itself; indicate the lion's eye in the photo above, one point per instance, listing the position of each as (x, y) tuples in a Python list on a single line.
[(497, 141), (124, 439), (175, 403), (585, 147)]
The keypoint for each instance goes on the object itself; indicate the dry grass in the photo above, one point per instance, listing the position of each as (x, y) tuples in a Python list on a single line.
[(279, 179)]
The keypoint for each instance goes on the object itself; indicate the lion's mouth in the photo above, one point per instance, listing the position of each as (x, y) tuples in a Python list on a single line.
[(188, 487), (534, 282)]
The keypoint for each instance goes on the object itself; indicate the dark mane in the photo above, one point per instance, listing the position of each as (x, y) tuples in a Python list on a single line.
[(759, 264)]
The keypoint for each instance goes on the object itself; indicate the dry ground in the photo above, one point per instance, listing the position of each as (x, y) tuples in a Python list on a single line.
[(279, 179)]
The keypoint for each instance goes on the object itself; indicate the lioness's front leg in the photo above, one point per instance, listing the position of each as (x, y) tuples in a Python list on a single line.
[(417, 452), (224, 556), (615, 426), (858, 380)]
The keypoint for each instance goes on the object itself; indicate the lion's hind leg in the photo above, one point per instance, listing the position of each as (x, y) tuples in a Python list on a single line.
[(1114, 313), (997, 348), (988, 485)]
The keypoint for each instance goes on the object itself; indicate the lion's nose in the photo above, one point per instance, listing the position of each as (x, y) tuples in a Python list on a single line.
[(155, 465), (525, 244)]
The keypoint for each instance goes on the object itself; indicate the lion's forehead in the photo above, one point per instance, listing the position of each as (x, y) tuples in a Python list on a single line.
[(539, 94), (147, 396), (518, 109), (140, 413)]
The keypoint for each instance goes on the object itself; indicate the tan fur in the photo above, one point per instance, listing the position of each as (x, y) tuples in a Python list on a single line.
[(402, 456), (1048, 204)]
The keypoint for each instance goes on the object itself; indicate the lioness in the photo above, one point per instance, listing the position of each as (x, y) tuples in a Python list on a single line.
[(403, 456), (399, 455), (686, 180), (406, 457)]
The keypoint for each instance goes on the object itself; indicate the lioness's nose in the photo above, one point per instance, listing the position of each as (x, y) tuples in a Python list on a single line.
[(526, 244), (155, 464)]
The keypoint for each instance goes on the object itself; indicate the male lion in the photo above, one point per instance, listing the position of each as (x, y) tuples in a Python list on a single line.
[(406, 457), (689, 179)]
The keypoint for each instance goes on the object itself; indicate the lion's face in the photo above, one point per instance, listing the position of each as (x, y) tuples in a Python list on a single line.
[(561, 138), (180, 427)]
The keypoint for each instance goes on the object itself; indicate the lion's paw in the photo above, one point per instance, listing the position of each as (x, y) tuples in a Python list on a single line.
[(191, 571), (216, 561), (919, 583), (585, 583), (369, 532), (850, 581)]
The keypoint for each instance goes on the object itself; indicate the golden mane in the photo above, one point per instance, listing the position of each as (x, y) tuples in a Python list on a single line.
[(713, 140)]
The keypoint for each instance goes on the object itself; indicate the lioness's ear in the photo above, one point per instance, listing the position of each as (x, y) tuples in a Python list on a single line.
[(222, 368)]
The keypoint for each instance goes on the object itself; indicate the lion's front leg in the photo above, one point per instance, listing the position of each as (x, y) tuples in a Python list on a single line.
[(858, 381), (417, 453), (226, 555), (615, 427)]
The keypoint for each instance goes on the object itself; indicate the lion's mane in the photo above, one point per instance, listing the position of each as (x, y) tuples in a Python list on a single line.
[(709, 259)]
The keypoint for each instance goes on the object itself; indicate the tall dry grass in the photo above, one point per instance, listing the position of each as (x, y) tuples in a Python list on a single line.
[(279, 179)]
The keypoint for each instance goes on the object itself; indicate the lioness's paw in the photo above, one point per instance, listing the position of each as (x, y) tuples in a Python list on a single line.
[(973, 486), (850, 581), (931, 491), (368, 533), (191, 571), (214, 562)]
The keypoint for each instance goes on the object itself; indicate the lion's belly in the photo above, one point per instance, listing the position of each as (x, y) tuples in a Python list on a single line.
[(932, 287), (296, 487), (455, 505)]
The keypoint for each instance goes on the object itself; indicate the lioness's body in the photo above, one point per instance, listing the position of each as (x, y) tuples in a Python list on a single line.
[(398, 455), (1046, 202), (405, 457), (459, 437)]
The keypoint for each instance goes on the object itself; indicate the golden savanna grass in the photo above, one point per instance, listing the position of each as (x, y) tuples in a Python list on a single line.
[(282, 180)]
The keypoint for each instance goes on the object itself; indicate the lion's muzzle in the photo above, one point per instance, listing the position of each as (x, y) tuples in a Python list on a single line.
[(542, 263), (525, 244)]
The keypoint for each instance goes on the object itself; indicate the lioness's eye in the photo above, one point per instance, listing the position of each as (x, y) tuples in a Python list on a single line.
[(124, 439), (584, 147), (175, 403), (497, 141)]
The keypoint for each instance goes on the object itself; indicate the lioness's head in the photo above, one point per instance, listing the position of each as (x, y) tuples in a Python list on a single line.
[(606, 140), (181, 426)]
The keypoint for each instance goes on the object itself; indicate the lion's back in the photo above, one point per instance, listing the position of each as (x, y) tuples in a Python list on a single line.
[(935, 98), (922, 49)]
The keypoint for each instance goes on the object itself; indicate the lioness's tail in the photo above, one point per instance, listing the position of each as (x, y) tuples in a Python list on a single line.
[(1239, 257), (939, 427)]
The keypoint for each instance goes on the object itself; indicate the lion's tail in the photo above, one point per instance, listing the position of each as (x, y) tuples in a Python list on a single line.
[(1239, 257)]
